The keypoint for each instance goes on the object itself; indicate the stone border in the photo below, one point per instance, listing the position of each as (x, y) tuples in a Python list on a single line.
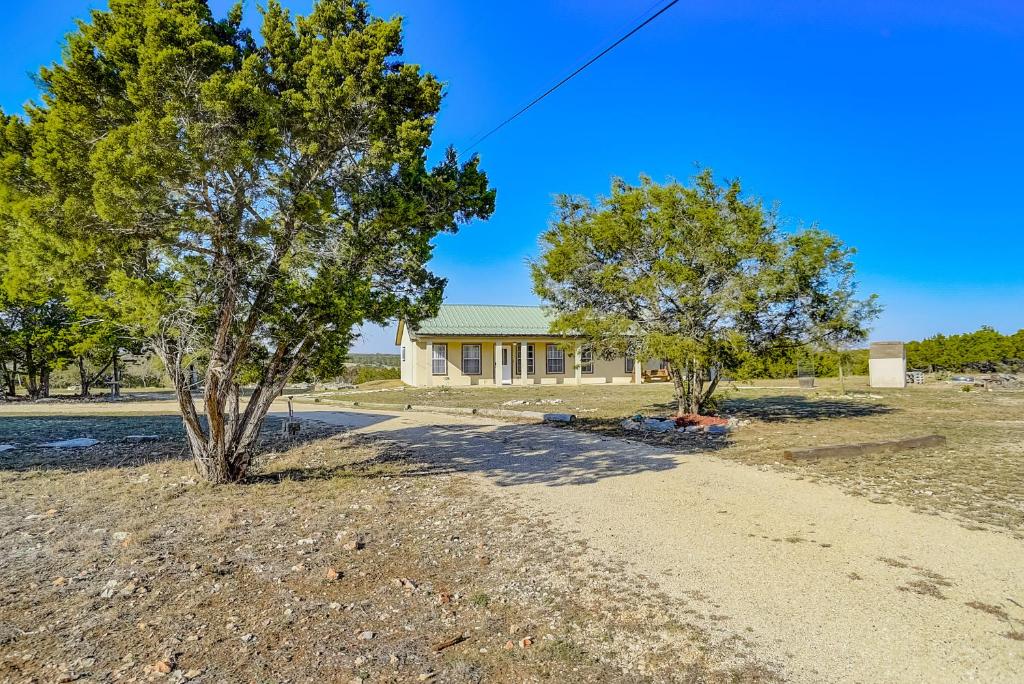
[(457, 410)]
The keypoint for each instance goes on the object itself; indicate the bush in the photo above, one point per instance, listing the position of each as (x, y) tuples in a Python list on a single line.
[(371, 373)]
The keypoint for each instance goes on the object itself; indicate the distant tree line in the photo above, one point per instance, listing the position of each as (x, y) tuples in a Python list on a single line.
[(784, 363), (985, 350), (378, 359), (357, 375)]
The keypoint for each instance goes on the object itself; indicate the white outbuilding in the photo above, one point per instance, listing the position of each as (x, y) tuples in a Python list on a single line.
[(887, 364)]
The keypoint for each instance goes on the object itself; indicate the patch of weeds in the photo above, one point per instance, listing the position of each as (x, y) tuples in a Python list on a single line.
[(988, 608), (795, 540), (854, 576), (1013, 634), (923, 588), (481, 600), (892, 562), (674, 625), (561, 649), (933, 577)]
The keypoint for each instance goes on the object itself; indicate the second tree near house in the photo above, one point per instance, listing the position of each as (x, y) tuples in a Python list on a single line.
[(467, 344)]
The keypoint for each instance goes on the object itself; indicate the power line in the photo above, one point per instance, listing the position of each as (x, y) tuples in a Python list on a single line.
[(568, 78)]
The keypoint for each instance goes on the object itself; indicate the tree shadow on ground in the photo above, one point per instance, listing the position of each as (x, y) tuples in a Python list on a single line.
[(508, 455), (796, 407), (29, 433)]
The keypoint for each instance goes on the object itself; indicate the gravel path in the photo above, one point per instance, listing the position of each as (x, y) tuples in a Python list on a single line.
[(828, 586)]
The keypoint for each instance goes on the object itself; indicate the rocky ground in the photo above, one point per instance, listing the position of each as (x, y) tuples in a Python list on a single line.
[(832, 587), (342, 560)]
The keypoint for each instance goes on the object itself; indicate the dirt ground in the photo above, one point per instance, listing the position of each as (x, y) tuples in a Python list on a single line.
[(828, 586), (687, 559), (978, 478), (343, 560)]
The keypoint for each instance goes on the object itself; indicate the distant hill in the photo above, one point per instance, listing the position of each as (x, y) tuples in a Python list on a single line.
[(386, 360)]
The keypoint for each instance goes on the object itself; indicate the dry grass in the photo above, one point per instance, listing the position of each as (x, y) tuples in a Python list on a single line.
[(380, 384), (978, 478), (118, 564), (1015, 629)]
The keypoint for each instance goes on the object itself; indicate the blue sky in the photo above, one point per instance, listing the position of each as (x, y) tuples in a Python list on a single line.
[(897, 125)]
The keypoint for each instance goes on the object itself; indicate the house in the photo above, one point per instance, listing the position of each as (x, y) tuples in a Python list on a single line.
[(487, 345)]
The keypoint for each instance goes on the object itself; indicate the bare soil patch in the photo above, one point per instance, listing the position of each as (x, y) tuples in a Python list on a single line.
[(340, 561)]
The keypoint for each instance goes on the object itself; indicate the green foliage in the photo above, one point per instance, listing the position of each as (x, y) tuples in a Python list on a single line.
[(240, 206), (51, 315), (697, 275), (390, 360), (983, 350), (35, 338), (371, 373), (783, 363)]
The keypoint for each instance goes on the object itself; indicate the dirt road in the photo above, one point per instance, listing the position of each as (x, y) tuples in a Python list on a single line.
[(828, 586)]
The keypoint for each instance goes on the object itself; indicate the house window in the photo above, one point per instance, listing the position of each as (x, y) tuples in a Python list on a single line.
[(439, 361), (403, 354), (587, 360), (555, 360), (530, 369), (471, 359), (630, 364)]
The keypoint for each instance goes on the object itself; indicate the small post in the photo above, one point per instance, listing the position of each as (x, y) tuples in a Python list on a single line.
[(291, 426)]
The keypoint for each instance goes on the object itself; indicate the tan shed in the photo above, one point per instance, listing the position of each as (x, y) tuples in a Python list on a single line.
[(887, 364)]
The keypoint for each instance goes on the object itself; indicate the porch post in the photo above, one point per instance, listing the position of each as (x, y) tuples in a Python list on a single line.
[(638, 372), (410, 358), (522, 363), (497, 363), (577, 366), (429, 380)]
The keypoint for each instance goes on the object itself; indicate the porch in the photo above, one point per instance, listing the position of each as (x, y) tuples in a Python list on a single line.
[(524, 361)]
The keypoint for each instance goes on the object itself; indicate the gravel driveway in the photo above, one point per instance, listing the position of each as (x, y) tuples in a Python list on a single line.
[(828, 586)]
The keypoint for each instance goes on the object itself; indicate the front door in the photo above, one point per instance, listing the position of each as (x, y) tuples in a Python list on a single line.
[(506, 366)]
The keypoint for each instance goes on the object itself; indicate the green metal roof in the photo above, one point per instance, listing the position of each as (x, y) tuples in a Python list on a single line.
[(487, 320)]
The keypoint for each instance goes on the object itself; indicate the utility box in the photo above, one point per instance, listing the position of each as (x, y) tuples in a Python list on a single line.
[(887, 365)]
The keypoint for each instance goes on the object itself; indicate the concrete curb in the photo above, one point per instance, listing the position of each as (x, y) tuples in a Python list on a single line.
[(456, 410)]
